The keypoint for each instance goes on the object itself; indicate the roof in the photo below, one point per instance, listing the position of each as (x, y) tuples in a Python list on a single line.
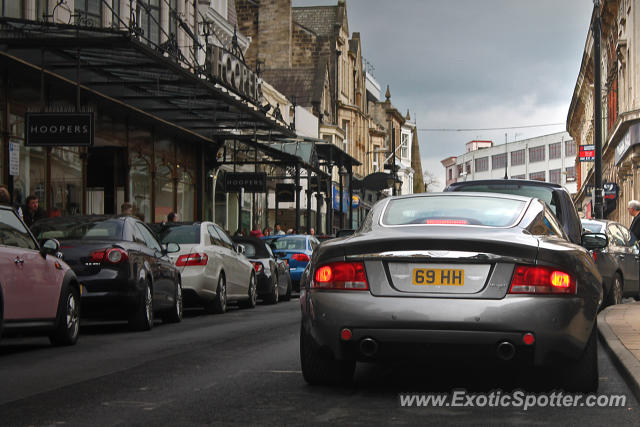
[(300, 84), (319, 19)]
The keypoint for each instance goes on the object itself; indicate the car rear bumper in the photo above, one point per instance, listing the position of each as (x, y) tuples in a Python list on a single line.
[(264, 284), (102, 295), (406, 327)]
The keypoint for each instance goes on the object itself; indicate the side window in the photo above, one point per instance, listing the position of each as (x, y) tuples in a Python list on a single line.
[(615, 235), (13, 232), (225, 238), (215, 237), (554, 227), (138, 237), (626, 235), (149, 240)]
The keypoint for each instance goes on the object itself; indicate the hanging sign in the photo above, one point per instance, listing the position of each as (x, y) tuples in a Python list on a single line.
[(14, 158), (251, 182), (58, 129)]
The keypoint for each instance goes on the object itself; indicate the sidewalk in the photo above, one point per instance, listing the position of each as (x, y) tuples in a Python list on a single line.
[(619, 328)]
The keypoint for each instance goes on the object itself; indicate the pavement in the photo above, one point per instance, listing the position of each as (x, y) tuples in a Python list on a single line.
[(619, 327)]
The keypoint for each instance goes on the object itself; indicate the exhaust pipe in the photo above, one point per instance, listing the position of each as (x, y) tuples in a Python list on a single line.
[(368, 347), (505, 350)]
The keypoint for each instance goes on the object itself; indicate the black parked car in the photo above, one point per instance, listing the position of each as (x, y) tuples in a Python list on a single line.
[(554, 195), (618, 262), (272, 273), (122, 267)]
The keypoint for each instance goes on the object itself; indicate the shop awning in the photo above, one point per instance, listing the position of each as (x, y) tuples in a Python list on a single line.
[(116, 65)]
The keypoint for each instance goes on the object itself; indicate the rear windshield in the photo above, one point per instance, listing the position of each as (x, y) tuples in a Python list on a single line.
[(593, 227), (451, 210), (181, 234), (70, 228), (543, 193), (284, 243)]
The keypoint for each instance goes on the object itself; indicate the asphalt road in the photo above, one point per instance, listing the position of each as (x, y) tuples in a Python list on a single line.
[(242, 368)]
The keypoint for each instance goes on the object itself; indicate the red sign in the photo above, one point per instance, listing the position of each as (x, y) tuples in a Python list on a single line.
[(587, 153)]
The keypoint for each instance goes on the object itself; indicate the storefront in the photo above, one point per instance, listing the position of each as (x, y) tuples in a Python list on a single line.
[(157, 126)]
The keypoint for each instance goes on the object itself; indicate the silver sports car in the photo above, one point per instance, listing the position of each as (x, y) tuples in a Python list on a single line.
[(456, 275)]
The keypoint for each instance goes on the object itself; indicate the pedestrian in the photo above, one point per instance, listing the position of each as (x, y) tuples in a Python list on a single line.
[(290, 231), (172, 217), (312, 231), (266, 231), (278, 230), (31, 211), (256, 232), (126, 209), (634, 209)]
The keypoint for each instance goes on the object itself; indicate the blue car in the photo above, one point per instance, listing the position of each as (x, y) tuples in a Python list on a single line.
[(297, 250)]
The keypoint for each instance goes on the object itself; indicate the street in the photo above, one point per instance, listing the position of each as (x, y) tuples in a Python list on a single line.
[(242, 368)]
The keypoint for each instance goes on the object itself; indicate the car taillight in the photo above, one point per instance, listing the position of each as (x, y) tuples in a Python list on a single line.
[(111, 255), (192, 259), (342, 276), (300, 257), (541, 280), (447, 221), (257, 266)]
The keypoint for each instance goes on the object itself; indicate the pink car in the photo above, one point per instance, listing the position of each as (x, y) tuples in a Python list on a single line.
[(39, 293)]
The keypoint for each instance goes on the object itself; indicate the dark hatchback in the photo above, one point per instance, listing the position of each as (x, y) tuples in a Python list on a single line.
[(272, 273), (123, 269), (555, 196), (617, 263)]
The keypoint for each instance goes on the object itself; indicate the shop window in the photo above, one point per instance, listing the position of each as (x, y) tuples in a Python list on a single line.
[(140, 185), (164, 192), (32, 161), (66, 181), (12, 8), (186, 191), (88, 13)]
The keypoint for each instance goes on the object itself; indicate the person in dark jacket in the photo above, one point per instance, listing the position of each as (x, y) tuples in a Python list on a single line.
[(31, 210), (634, 209)]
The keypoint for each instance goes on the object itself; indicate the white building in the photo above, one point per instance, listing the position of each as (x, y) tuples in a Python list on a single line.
[(549, 158), (403, 159)]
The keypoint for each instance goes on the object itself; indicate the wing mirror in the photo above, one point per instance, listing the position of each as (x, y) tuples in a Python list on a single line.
[(171, 248), (240, 249), (51, 247), (592, 241)]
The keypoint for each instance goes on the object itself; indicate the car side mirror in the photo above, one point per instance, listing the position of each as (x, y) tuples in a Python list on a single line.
[(171, 248), (240, 249), (51, 247), (592, 241)]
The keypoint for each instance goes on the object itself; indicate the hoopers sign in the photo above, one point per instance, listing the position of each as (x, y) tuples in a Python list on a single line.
[(58, 129)]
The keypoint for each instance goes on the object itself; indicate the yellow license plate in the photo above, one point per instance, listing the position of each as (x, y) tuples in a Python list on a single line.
[(437, 277)]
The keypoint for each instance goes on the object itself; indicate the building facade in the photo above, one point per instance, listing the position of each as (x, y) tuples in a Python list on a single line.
[(620, 98), (549, 158)]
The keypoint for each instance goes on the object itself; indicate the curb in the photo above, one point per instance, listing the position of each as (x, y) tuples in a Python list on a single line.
[(624, 360)]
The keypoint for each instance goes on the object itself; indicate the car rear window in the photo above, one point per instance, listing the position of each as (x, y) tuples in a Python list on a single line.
[(79, 228), (181, 234), (543, 193), (289, 243), (453, 210), (593, 227)]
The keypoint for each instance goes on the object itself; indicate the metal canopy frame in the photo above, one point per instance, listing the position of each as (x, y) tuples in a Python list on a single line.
[(114, 63)]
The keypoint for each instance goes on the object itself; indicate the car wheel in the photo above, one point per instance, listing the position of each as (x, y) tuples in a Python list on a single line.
[(287, 295), (142, 317), (615, 293), (253, 296), (175, 314), (320, 367), (272, 298), (581, 376), (68, 322), (219, 304)]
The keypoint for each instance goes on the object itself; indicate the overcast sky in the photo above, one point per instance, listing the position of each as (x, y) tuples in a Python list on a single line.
[(473, 64)]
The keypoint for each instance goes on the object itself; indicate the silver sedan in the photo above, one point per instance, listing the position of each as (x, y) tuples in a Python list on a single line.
[(457, 275)]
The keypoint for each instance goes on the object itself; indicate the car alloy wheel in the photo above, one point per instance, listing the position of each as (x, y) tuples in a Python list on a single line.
[(253, 296), (175, 314), (148, 304), (616, 297), (73, 315)]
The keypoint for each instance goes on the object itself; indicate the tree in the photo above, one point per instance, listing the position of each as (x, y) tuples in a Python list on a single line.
[(430, 182)]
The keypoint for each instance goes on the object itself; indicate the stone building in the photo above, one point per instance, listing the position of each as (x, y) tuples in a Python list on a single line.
[(620, 71)]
